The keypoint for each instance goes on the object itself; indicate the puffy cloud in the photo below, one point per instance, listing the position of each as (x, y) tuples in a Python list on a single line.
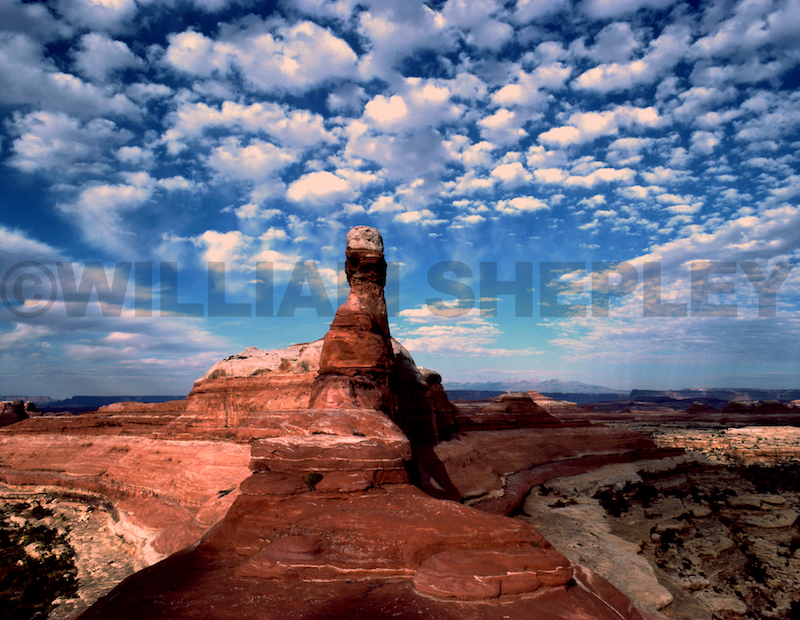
[(521, 204), (257, 161), (321, 187), (58, 142), (16, 245), (587, 126), (421, 217), (99, 210), (465, 219), (101, 14), (502, 127), (529, 87), (98, 56), (527, 11), (602, 175), (663, 54), (511, 174), (135, 155), (450, 329), (703, 142), (394, 31), (294, 57), (421, 103), (478, 20), (410, 156), (231, 248), (615, 43), (385, 204), (293, 128), (26, 78)]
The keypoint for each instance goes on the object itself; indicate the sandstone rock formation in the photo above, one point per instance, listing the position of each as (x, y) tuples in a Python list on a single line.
[(357, 354), (285, 478), (12, 412), (751, 445)]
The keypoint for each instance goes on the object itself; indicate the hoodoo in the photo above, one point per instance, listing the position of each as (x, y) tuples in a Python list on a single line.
[(357, 355)]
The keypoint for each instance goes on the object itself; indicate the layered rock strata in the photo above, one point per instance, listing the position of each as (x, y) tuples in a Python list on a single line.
[(751, 445)]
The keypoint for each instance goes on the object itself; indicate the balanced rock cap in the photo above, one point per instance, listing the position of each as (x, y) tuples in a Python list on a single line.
[(364, 238)]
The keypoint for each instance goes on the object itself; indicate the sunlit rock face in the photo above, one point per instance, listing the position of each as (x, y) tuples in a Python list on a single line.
[(357, 354), (12, 412)]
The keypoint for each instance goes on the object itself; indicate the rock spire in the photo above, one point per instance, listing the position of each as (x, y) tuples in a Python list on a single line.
[(357, 355)]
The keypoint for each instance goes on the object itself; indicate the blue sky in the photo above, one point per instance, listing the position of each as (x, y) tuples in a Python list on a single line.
[(538, 138)]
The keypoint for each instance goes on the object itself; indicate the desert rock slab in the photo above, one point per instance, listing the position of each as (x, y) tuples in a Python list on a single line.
[(490, 573)]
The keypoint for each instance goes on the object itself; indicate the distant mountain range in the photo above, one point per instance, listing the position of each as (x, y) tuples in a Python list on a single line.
[(91, 402), (524, 385)]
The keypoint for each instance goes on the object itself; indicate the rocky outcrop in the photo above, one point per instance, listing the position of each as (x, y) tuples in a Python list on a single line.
[(245, 390), (12, 412), (510, 410), (752, 445), (357, 354), (167, 493), (552, 405), (679, 536), (290, 552), (496, 469)]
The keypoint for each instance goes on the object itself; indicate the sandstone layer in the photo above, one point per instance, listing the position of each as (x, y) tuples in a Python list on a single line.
[(752, 445)]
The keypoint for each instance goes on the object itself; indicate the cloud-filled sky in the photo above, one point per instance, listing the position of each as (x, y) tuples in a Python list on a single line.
[(605, 191)]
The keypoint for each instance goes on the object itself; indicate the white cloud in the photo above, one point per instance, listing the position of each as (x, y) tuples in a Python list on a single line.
[(58, 142), (231, 248), (477, 18), (395, 30), (527, 11), (421, 103), (292, 57), (452, 329), (502, 127), (664, 53), (704, 142), (421, 217), (470, 219), (529, 88), (98, 56), (587, 126), (293, 128), (407, 156), (16, 245), (602, 175), (101, 14), (321, 187), (100, 208), (521, 204), (511, 174), (135, 155), (257, 161), (385, 204), (26, 78)]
